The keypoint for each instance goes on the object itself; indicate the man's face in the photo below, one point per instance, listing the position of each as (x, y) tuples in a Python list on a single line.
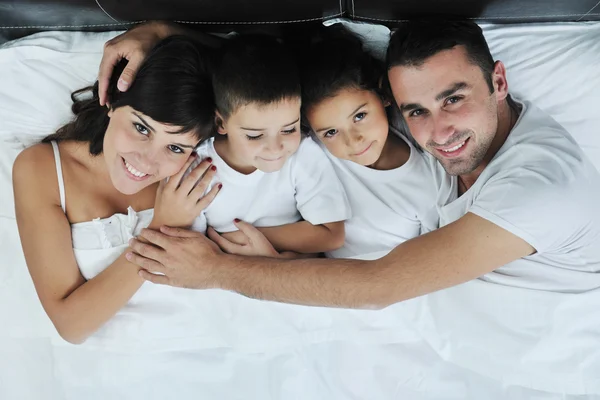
[(449, 109)]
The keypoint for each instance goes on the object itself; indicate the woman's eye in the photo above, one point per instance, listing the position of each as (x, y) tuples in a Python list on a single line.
[(289, 131), (330, 133), (176, 149), (141, 128), (253, 137), (360, 116)]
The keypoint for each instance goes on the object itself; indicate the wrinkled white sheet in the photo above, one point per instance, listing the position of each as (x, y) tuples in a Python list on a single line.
[(474, 341)]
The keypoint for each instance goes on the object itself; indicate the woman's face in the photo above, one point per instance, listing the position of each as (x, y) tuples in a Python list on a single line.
[(353, 125), (140, 151)]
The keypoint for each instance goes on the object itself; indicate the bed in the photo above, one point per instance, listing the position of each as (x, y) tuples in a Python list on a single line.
[(473, 341)]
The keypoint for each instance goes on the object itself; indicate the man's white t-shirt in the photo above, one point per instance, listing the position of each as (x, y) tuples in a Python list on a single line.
[(542, 188), (305, 188), (388, 207)]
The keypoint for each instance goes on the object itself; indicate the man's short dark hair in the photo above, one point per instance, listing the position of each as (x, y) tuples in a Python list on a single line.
[(254, 69), (415, 41)]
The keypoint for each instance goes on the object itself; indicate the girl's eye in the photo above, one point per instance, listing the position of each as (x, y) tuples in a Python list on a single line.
[(175, 149), (141, 128), (360, 116), (253, 137), (330, 133), (289, 131)]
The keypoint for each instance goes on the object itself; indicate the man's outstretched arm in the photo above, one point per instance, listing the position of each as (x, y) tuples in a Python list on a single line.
[(456, 253)]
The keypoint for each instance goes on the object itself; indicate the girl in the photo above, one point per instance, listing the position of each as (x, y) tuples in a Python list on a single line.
[(84, 191), (387, 179)]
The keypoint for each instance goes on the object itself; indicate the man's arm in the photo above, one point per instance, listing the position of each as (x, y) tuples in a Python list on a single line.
[(454, 254)]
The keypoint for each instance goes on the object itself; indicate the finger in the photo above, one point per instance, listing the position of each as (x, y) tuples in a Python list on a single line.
[(179, 233), (128, 75), (161, 185), (204, 200), (147, 250), (248, 229), (145, 263), (158, 279), (224, 244), (175, 180), (110, 58), (201, 175)]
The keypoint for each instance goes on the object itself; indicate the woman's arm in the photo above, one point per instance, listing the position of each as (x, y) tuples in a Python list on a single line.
[(76, 307)]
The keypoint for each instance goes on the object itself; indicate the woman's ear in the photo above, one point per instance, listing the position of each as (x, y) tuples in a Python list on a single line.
[(110, 111), (220, 123)]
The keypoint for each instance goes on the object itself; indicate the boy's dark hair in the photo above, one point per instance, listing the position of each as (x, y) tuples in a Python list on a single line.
[(254, 69), (415, 41), (337, 61), (173, 87)]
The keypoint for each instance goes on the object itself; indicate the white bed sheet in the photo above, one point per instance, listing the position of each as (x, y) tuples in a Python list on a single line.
[(475, 341)]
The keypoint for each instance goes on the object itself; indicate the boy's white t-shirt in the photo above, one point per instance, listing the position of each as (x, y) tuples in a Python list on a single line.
[(305, 188), (388, 207), (542, 188)]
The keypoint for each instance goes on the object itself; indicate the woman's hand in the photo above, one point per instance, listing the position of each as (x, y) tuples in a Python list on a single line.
[(134, 45), (247, 241), (181, 199)]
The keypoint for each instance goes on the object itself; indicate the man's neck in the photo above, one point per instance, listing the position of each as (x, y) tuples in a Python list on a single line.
[(508, 113)]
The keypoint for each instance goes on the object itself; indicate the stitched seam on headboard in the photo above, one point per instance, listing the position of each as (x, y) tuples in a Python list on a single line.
[(353, 9), (104, 11), (490, 18), (341, 8), (588, 13), (178, 21)]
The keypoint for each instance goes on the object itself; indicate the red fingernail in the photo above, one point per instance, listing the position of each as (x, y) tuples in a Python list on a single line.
[(209, 159), (214, 168), (237, 220), (220, 185)]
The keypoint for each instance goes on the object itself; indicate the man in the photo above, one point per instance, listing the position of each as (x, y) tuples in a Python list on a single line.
[(517, 197)]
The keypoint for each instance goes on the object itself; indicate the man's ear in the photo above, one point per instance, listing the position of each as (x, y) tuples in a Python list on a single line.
[(499, 81), (220, 123), (110, 111)]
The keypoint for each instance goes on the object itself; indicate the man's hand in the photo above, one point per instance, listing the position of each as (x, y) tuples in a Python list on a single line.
[(247, 241), (134, 45), (176, 257)]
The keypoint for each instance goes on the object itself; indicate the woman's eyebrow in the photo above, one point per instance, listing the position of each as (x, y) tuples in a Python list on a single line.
[(144, 122)]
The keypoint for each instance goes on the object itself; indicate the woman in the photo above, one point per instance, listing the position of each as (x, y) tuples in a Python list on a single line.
[(110, 182)]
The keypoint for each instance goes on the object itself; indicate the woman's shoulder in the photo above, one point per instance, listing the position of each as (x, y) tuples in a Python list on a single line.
[(34, 161)]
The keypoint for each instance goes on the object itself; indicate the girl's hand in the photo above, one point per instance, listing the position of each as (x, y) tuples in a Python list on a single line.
[(179, 200), (248, 241)]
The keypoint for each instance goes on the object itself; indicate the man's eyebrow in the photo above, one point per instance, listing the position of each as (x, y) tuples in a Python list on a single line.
[(144, 122), (451, 90), (409, 107), (358, 108), (187, 146), (264, 129)]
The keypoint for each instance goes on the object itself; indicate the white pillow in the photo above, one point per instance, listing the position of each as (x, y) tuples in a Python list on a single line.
[(554, 65)]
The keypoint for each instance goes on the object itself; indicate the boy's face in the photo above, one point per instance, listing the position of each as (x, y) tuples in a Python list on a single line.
[(353, 125), (263, 136)]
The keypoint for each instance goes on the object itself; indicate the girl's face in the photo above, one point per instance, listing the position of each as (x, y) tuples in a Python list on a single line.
[(262, 136), (140, 151), (353, 125)]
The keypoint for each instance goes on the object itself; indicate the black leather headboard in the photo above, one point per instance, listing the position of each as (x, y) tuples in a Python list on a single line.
[(22, 17)]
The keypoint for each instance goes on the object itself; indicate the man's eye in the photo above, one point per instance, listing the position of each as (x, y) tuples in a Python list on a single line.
[(360, 116), (141, 128), (453, 100), (416, 113), (176, 149), (330, 133)]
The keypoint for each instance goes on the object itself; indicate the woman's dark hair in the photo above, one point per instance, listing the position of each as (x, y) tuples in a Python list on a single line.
[(336, 61), (173, 86)]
